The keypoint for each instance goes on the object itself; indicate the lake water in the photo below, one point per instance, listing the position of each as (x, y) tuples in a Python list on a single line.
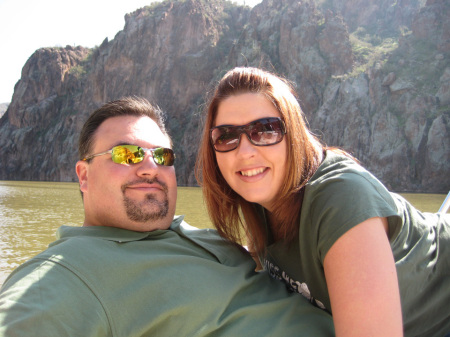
[(30, 213)]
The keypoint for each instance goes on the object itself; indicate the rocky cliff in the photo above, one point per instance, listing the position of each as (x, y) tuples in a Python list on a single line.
[(372, 79), (3, 107)]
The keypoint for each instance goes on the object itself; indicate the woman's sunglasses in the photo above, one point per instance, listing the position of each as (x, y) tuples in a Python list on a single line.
[(262, 132), (133, 154)]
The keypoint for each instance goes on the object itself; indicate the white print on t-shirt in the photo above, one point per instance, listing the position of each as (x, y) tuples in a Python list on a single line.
[(292, 285)]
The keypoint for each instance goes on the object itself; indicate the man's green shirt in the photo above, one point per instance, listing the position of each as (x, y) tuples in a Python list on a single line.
[(103, 281)]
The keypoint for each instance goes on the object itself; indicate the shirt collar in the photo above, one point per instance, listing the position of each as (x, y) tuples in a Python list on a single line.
[(113, 233)]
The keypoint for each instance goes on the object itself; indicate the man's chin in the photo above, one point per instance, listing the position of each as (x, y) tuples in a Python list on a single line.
[(149, 209)]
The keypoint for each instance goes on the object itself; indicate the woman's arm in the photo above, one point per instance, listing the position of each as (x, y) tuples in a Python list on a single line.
[(362, 282)]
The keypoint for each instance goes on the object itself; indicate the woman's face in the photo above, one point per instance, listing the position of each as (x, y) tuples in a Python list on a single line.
[(254, 172)]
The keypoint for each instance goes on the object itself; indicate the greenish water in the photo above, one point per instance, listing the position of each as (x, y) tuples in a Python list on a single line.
[(30, 213)]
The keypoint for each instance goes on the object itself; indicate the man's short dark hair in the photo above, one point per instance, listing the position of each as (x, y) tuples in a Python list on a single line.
[(127, 106)]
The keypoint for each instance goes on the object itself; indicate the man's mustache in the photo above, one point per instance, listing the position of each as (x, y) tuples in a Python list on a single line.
[(146, 181)]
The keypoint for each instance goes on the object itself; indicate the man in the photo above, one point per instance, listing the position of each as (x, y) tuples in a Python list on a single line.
[(134, 269)]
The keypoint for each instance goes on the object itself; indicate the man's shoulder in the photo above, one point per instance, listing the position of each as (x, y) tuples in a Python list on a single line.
[(183, 228), (225, 251)]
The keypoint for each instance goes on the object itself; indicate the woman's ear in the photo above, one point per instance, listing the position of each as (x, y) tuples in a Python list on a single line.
[(81, 168)]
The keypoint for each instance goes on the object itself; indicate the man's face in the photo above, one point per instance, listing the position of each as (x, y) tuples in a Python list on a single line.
[(139, 197)]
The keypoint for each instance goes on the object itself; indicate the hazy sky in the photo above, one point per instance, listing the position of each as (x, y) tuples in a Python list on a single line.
[(27, 25)]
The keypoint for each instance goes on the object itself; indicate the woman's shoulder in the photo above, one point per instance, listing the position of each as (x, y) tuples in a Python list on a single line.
[(343, 188), (342, 170), (341, 195)]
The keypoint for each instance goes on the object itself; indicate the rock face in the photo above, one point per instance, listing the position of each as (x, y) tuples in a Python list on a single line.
[(390, 108), (3, 107)]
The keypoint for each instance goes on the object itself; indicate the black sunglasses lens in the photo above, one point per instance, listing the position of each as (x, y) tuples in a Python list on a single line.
[(225, 138), (262, 132), (266, 132)]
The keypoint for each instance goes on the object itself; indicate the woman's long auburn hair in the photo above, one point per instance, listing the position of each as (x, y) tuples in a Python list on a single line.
[(230, 213)]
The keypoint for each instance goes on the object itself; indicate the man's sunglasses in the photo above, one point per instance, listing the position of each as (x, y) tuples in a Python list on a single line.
[(133, 154), (262, 132)]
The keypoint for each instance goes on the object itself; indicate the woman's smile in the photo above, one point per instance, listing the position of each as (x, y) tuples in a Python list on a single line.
[(252, 172)]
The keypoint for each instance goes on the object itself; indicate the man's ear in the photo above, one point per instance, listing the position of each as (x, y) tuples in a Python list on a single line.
[(81, 168)]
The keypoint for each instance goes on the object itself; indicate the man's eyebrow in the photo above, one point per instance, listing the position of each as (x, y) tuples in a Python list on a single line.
[(117, 144), (121, 142), (153, 146)]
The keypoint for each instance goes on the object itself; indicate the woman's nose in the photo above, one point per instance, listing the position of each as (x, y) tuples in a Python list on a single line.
[(245, 147)]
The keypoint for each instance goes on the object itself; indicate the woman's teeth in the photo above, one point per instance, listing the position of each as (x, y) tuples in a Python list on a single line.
[(251, 173)]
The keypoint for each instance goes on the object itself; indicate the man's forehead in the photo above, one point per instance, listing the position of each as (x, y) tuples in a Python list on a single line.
[(135, 130)]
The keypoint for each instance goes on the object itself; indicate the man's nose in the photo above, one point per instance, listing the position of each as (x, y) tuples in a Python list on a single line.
[(148, 165)]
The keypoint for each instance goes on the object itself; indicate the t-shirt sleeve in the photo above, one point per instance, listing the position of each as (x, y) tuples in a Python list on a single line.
[(42, 298), (345, 200)]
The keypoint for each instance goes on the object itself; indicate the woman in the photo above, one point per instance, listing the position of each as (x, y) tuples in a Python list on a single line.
[(316, 219)]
